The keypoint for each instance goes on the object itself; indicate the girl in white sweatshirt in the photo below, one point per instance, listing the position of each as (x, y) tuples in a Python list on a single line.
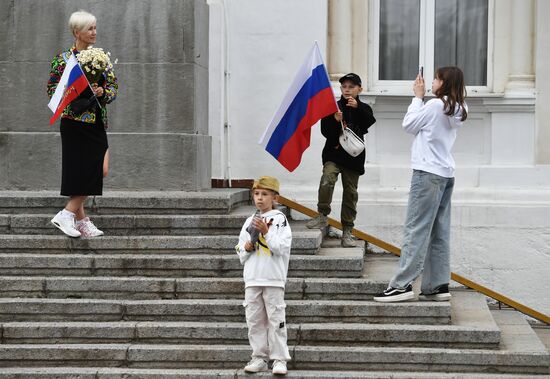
[(426, 247), (264, 250)]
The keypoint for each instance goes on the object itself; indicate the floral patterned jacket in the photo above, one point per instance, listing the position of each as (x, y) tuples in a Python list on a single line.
[(110, 89)]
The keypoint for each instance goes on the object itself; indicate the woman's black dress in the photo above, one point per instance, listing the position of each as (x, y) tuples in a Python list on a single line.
[(83, 150)]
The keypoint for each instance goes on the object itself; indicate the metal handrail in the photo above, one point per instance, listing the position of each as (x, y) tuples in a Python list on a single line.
[(397, 251)]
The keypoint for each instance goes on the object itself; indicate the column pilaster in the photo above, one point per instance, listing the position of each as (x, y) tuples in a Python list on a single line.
[(521, 78), (340, 38)]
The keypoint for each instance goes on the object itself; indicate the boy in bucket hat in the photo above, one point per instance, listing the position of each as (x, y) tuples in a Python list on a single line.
[(357, 116), (264, 250)]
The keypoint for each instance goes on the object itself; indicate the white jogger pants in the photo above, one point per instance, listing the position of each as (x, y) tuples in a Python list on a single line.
[(265, 316)]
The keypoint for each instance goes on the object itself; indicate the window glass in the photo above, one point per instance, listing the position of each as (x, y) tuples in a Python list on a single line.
[(460, 38), (399, 39)]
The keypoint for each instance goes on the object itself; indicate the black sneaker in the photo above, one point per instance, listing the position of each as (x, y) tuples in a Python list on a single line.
[(441, 294), (391, 294)]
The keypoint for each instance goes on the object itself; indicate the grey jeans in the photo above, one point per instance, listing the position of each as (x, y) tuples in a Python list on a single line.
[(426, 244)]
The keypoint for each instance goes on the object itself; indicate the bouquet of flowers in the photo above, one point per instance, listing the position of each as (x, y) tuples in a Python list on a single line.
[(94, 62)]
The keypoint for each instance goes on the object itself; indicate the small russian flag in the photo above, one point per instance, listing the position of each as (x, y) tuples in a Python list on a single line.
[(72, 83), (308, 100)]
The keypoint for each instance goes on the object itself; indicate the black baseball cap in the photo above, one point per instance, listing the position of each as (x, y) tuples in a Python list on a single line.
[(354, 78)]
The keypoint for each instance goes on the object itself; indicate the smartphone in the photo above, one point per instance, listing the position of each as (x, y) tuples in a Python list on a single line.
[(421, 71)]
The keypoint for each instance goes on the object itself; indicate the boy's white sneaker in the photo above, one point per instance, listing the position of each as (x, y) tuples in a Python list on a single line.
[(64, 221), (87, 228), (279, 367), (256, 365)]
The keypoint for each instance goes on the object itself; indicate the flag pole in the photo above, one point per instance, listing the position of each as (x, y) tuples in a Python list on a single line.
[(328, 77), (326, 72), (308, 99)]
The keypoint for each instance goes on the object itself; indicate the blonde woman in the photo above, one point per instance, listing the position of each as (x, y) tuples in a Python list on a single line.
[(85, 155)]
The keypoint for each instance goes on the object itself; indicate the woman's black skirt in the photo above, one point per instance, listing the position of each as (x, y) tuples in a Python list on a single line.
[(83, 151)]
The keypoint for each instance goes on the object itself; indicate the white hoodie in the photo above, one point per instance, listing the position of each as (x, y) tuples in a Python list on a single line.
[(267, 265), (435, 135)]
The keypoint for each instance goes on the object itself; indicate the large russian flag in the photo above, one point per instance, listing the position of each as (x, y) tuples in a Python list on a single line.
[(72, 83), (308, 100)]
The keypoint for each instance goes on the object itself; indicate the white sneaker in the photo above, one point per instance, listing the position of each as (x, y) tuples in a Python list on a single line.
[(279, 367), (256, 365), (392, 295), (87, 228), (65, 222)]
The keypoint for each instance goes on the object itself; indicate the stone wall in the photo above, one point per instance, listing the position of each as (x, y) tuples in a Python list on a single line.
[(158, 133)]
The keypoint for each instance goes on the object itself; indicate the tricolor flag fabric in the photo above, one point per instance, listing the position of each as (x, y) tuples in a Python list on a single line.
[(72, 83), (309, 99)]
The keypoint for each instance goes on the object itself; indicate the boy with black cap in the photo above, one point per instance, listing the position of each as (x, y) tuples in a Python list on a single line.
[(357, 116), (264, 250)]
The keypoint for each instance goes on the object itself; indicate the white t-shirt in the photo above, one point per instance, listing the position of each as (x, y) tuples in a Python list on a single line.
[(435, 134)]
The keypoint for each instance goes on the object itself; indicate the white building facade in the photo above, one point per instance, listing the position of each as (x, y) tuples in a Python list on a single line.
[(501, 203)]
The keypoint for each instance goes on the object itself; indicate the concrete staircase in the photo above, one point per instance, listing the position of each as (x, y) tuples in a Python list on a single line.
[(160, 296)]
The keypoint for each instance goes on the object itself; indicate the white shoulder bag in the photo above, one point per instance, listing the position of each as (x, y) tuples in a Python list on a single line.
[(351, 142)]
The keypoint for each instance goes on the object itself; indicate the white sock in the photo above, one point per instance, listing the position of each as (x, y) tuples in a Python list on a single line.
[(66, 213)]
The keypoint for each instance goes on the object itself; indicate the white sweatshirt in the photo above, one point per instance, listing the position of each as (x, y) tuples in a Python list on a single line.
[(267, 265), (435, 135)]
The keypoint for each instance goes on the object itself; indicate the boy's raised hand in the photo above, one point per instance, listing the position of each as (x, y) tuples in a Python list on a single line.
[(261, 225), (351, 102)]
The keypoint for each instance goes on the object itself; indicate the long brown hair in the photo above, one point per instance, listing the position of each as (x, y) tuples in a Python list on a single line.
[(452, 90)]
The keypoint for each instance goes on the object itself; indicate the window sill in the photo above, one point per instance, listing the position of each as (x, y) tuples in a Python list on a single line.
[(429, 96), (400, 92)]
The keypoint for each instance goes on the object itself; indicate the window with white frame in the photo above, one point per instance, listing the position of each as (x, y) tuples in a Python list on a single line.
[(429, 33)]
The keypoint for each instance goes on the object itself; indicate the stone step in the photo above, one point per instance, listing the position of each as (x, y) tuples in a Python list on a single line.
[(179, 288), (303, 242), (542, 331), (477, 329), (337, 334), (142, 225), (313, 311), (136, 373), (162, 265), (375, 279), (333, 334), (304, 357), (210, 201), (122, 225)]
